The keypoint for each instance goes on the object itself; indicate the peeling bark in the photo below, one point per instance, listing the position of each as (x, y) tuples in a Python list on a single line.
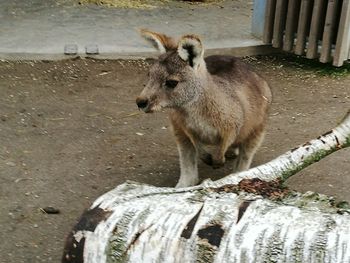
[(244, 217)]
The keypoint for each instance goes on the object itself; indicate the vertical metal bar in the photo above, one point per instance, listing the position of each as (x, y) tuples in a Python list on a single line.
[(291, 24), (280, 21), (343, 39), (303, 26), (329, 31), (315, 29), (269, 20)]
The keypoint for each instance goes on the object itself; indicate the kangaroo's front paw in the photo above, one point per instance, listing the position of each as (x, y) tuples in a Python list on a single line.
[(207, 159), (215, 163), (218, 163), (232, 153)]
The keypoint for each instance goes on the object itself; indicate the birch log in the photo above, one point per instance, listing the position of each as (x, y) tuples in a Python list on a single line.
[(244, 217)]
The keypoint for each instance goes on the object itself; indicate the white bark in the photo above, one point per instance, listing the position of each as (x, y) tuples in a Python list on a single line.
[(217, 221)]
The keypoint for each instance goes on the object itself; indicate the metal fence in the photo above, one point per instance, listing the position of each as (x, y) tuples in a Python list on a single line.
[(313, 28)]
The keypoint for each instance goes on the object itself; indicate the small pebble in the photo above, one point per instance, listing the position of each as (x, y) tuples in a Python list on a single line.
[(50, 210), (10, 163)]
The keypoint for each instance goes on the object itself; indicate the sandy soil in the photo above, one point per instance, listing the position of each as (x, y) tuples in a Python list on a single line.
[(70, 131)]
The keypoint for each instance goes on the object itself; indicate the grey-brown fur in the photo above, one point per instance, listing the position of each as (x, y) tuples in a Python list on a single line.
[(218, 106)]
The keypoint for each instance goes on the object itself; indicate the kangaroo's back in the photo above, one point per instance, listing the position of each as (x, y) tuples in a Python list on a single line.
[(236, 78), (232, 69), (226, 66)]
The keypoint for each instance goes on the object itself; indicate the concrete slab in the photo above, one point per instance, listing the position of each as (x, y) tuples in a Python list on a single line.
[(40, 29)]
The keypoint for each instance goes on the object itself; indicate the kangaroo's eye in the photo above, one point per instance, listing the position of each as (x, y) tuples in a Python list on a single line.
[(171, 83)]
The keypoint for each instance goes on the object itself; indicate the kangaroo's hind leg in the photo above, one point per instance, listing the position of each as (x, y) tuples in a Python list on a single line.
[(247, 150)]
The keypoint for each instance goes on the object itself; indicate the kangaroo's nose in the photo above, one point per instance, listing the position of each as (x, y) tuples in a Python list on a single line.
[(142, 103)]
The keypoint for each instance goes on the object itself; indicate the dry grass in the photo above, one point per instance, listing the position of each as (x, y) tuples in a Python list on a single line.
[(142, 4), (121, 3)]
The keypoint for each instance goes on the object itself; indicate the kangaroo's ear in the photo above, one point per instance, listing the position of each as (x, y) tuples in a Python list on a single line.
[(190, 49), (160, 41)]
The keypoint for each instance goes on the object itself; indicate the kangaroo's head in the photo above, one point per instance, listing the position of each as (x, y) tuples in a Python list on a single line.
[(175, 79)]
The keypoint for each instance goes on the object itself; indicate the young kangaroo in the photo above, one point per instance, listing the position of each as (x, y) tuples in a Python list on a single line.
[(218, 105)]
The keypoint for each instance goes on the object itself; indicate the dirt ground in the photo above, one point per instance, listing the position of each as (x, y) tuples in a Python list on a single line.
[(70, 131)]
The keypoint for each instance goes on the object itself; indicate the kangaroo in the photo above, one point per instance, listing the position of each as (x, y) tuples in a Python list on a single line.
[(218, 105)]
